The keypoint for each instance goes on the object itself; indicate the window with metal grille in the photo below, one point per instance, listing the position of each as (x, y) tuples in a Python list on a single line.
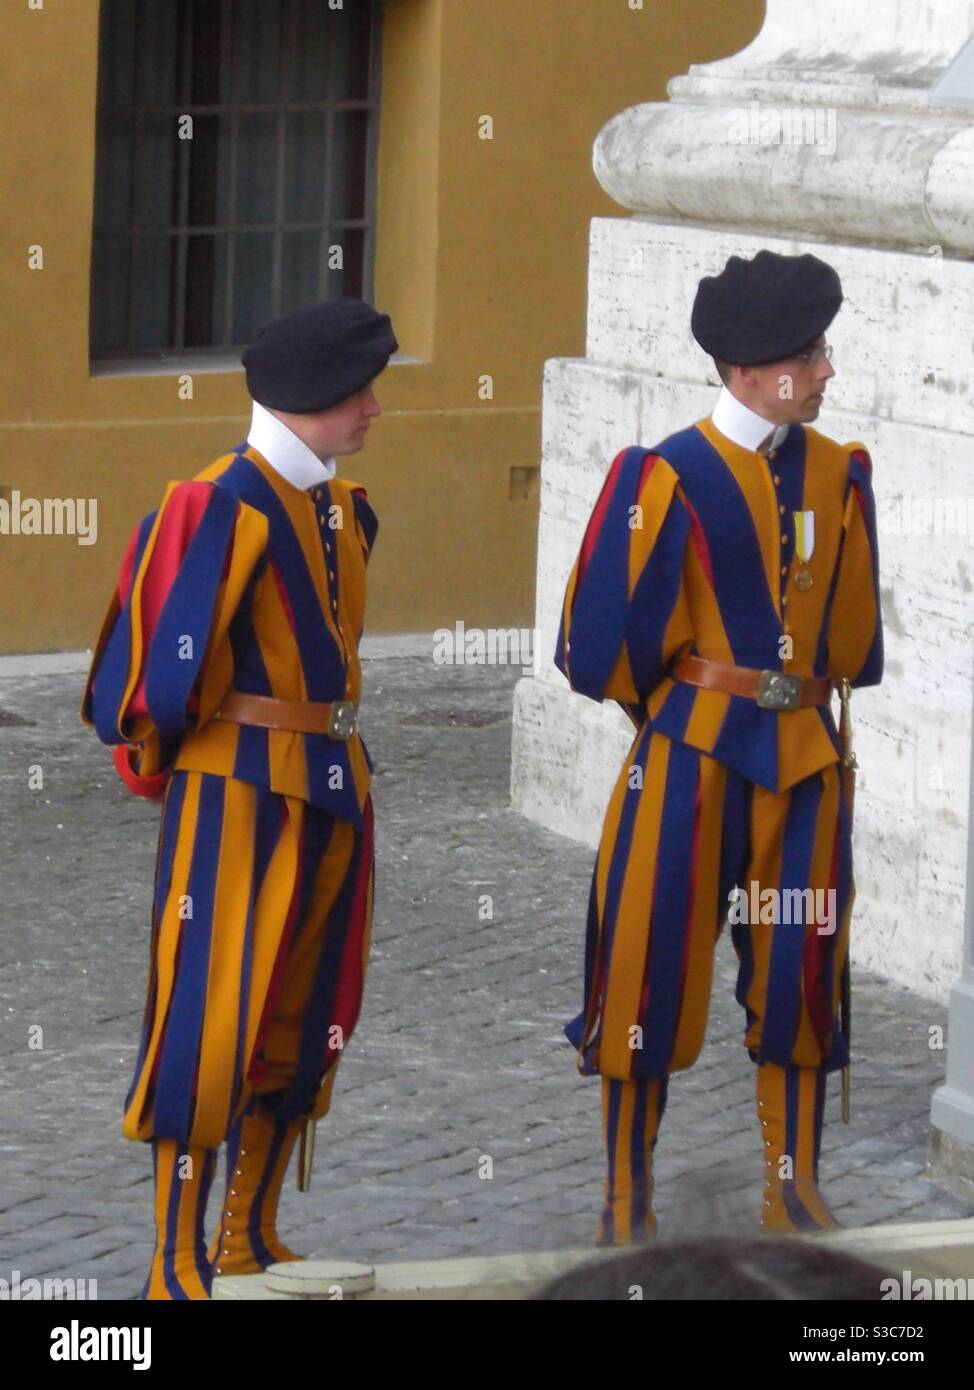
[(235, 168)]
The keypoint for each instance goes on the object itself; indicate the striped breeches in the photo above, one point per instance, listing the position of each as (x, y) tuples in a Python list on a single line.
[(260, 940), (682, 832)]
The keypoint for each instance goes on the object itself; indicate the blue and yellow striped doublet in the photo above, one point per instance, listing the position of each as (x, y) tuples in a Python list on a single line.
[(691, 550), (264, 877), (239, 581)]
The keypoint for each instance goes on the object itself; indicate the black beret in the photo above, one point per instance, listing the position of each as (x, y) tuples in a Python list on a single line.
[(765, 309), (318, 355)]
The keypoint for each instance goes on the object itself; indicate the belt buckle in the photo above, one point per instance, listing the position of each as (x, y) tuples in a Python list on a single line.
[(779, 690), (343, 720)]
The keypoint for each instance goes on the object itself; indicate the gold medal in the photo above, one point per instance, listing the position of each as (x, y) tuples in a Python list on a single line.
[(804, 546)]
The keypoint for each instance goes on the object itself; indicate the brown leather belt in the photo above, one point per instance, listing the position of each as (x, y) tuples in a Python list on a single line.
[(338, 719), (771, 689)]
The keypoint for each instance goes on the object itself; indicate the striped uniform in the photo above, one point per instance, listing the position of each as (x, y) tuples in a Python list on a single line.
[(691, 550), (263, 893)]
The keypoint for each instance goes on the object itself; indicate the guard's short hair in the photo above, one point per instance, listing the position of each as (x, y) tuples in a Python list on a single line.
[(723, 370)]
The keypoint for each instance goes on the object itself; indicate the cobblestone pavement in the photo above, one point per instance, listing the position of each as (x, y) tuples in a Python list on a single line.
[(458, 1053)]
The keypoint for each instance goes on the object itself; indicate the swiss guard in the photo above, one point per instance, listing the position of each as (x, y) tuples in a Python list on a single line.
[(726, 585), (227, 675)]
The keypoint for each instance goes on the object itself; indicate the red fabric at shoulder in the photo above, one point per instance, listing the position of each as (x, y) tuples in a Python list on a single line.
[(649, 463), (594, 528), (182, 514), (861, 456), (128, 565), (365, 515)]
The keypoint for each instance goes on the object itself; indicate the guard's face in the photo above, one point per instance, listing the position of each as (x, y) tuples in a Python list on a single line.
[(791, 391), (343, 428)]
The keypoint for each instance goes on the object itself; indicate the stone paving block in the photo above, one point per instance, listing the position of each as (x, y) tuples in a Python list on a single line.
[(15, 1195), (21, 1218), (75, 1250), (59, 1229)]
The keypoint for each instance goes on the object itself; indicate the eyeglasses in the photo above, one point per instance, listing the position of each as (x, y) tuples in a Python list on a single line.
[(814, 355)]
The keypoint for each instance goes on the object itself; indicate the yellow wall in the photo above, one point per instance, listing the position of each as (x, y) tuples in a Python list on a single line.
[(481, 261)]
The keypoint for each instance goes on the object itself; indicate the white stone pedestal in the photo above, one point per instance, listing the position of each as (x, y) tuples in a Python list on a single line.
[(821, 136)]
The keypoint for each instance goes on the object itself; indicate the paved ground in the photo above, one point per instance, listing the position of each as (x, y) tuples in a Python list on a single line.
[(459, 1052)]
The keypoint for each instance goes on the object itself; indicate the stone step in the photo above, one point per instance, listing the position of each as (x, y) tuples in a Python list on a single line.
[(931, 1250)]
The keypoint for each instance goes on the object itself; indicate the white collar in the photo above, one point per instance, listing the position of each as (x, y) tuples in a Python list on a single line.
[(743, 426), (285, 452)]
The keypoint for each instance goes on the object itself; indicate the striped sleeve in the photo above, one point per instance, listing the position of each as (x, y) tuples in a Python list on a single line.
[(366, 521), (855, 635), (163, 658), (625, 614)]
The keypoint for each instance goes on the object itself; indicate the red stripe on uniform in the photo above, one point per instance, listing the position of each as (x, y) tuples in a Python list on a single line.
[(351, 979), (181, 517), (700, 543), (127, 572), (597, 519), (817, 958), (282, 595)]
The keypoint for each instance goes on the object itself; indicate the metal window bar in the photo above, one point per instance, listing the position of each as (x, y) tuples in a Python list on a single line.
[(211, 228), (139, 49), (280, 135), (182, 229), (184, 147), (245, 108), (325, 241), (372, 154), (233, 94)]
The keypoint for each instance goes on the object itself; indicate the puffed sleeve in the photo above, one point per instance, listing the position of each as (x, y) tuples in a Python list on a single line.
[(625, 614), (163, 660), (855, 632)]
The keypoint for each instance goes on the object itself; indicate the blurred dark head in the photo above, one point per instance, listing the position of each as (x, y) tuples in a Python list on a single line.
[(765, 1268)]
